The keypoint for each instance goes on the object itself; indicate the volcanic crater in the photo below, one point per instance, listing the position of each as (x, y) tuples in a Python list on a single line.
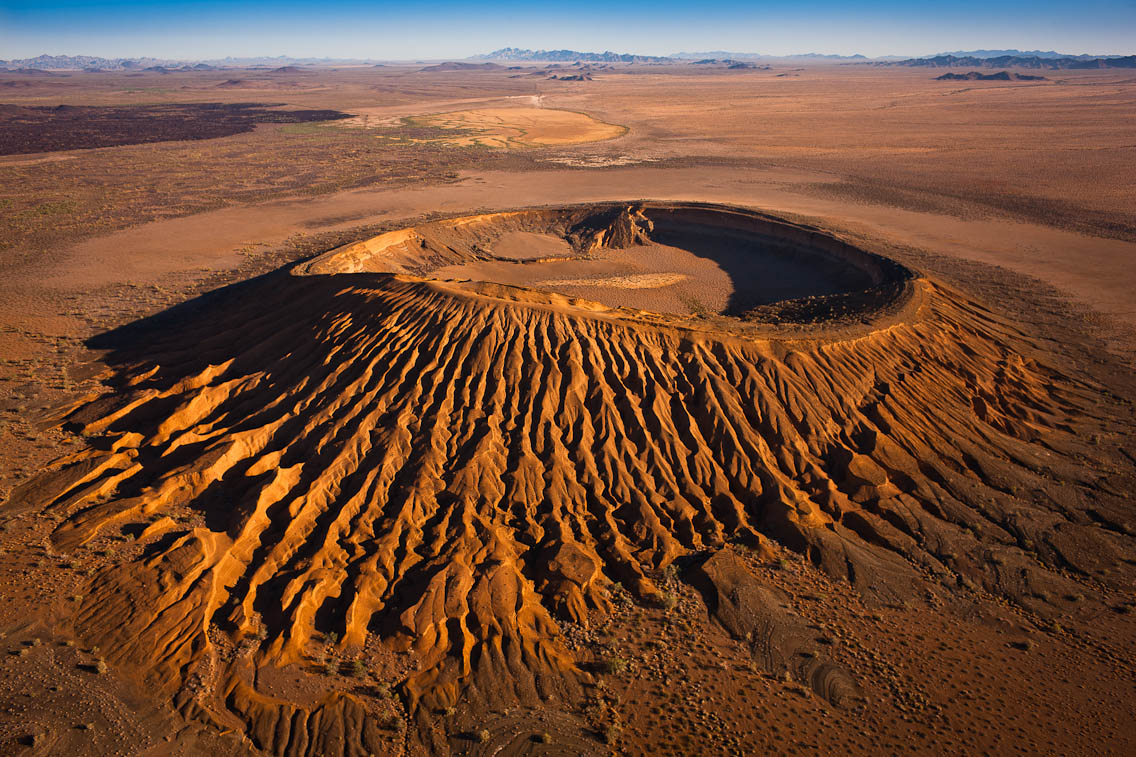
[(684, 259), (443, 451)]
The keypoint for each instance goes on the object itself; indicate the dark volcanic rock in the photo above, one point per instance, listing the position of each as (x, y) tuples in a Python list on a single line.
[(1000, 76), (69, 127)]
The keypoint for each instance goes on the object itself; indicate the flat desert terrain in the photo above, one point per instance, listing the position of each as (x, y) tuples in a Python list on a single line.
[(650, 409)]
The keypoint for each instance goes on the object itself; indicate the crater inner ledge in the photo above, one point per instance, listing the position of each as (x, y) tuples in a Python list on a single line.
[(688, 259)]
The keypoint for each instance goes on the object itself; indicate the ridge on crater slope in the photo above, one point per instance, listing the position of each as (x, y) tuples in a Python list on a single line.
[(463, 470)]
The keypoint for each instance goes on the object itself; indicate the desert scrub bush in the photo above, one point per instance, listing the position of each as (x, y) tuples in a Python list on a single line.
[(356, 668), (620, 595), (61, 207), (331, 667), (101, 666), (542, 738), (614, 665)]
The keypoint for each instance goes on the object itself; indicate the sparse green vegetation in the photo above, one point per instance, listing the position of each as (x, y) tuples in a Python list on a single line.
[(614, 665), (58, 208)]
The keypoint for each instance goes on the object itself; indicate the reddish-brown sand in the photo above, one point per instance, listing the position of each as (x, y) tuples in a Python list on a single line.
[(797, 419)]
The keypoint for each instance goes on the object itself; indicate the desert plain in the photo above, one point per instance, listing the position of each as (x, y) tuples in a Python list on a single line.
[(655, 409)]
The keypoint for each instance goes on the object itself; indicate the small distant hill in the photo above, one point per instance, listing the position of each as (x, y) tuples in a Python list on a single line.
[(1000, 76), (288, 70), (568, 56), (729, 63), (34, 72), (1016, 61), (451, 65)]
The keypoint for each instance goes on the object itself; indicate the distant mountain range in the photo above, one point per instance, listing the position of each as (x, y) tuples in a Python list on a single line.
[(567, 56), (1016, 61), (80, 62), (1042, 59), (1015, 53), (999, 58), (95, 63), (723, 54)]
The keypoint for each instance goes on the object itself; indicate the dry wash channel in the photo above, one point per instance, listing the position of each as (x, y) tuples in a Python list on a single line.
[(437, 452)]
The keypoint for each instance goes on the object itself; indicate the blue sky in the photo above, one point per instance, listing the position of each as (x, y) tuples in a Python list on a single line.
[(452, 28)]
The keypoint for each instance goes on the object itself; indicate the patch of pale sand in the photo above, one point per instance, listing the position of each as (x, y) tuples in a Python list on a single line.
[(530, 245), (634, 281), (655, 277), (520, 127), (597, 161), (17, 346), (19, 161), (389, 116)]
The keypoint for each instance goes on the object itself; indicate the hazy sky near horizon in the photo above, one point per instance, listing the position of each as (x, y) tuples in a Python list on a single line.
[(200, 29)]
